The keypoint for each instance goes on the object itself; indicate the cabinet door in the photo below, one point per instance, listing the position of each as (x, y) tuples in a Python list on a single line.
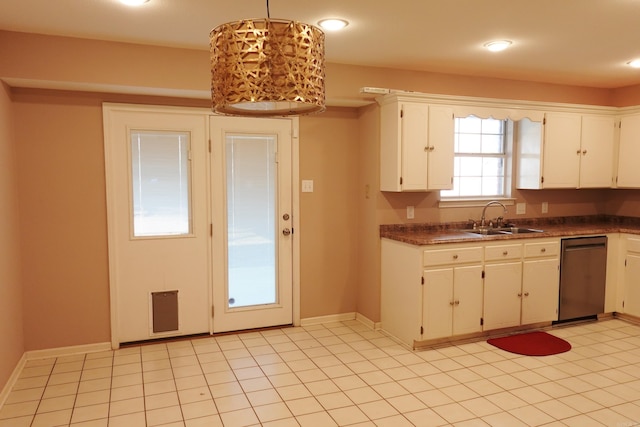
[(596, 161), (441, 148), (437, 303), (467, 299), (415, 125), (629, 152), (632, 284), (540, 291), (561, 157), (502, 295)]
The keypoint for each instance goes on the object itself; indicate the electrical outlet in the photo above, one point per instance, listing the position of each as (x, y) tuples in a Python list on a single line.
[(521, 208), (545, 207), (411, 213)]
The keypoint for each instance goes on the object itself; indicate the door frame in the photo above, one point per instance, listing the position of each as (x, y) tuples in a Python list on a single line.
[(107, 110)]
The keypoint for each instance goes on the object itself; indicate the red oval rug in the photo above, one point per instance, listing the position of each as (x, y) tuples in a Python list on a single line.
[(531, 344)]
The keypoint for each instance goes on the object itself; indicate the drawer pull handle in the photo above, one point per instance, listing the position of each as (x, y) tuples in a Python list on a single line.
[(505, 253), (455, 256), (543, 250)]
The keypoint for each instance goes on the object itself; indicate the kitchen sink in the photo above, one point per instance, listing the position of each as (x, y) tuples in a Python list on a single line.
[(502, 230)]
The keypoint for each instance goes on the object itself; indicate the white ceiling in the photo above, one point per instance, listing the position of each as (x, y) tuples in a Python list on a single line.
[(575, 42)]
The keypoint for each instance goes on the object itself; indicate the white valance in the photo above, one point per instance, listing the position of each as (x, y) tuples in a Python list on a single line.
[(514, 114)]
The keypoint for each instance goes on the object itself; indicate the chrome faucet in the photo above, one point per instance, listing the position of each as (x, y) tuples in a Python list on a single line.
[(491, 203)]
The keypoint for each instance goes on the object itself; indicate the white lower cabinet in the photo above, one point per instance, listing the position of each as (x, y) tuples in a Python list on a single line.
[(451, 301), (440, 291), (522, 288), (631, 276)]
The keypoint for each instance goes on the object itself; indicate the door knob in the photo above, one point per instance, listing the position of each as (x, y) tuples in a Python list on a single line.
[(286, 231)]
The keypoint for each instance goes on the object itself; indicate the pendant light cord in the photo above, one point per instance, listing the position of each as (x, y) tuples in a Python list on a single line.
[(268, 13)]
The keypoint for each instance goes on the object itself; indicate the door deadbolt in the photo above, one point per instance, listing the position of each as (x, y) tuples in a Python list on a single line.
[(286, 231)]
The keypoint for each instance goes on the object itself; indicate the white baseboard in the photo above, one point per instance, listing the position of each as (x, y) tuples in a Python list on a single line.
[(67, 351), (4, 394), (342, 317), (327, 319), (368, 322)]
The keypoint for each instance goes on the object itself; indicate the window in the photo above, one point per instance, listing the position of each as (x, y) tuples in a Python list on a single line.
[(481, 159), (160, 183)]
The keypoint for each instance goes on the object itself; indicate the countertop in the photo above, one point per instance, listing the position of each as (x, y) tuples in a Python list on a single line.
[(439, 233)]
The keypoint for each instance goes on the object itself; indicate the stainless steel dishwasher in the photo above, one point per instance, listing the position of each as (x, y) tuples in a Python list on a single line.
[(583, 269)]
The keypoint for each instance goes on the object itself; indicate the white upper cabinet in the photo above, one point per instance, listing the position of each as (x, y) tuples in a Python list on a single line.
[(416, 146), (569, 150), (629, 152)]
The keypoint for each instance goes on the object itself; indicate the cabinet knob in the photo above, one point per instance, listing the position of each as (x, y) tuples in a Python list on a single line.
[(457, 302), (543, 250), (505, 253), (578, 152), (519, 294), (432, 148), (455, 256), (584, 151), (426, 149), (526, 294), (451, 303)]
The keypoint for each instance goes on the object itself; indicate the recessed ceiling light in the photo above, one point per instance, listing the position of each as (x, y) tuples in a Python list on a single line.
[(498, 45), (133, 2), (333, 24), (635, 63)]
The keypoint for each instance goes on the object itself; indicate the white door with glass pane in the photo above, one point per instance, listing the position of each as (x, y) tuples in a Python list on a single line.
[(158, 220), (252, 222)]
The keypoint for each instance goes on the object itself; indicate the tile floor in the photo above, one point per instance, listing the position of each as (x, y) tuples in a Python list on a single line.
[(336, 374)]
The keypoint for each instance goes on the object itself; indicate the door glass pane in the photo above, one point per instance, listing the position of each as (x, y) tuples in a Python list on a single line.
[(160, 183), (251, 219)]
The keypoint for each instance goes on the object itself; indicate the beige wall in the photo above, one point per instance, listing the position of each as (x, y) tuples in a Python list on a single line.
[(11, 327), (328, 216), (58, 138)]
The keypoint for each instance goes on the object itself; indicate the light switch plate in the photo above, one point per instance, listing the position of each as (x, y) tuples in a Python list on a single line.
[(307, 186), (545, 207)]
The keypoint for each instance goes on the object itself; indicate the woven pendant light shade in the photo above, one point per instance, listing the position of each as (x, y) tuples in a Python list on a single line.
[(267, 67)]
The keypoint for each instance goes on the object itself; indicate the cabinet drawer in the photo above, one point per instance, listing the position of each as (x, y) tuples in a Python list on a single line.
[(497, 253), (633, 245), (452, 256), (541, 249)]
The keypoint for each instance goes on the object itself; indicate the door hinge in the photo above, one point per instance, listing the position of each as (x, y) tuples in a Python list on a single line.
[(482, 321), (421, 330), (422, 280)]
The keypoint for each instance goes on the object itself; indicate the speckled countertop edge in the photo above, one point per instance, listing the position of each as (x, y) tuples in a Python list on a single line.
[(439, 233)]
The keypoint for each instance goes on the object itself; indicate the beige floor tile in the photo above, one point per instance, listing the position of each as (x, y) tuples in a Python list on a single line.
[(124, 407), (242, 418), (130, 420), (316, 419), (203, 408), (272, 412), (88, 413), (348, 415), (52, 419), (334, 400), (162, 400), (160, 416)]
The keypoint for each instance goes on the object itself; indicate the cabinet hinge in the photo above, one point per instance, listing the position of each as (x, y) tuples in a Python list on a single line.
[(625, 262), (400, 180), (481, 321), (622, 304), (213, 310), (401, 113), (422, 280), (211, 230), (209, 145), (483, 274), (542, 180), (544, 121), (421, 330)]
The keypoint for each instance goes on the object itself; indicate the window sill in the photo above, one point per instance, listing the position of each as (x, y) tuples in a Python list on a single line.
[(473, 203)]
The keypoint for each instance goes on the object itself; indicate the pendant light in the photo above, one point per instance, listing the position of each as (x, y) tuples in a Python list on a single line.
[(267, 67)]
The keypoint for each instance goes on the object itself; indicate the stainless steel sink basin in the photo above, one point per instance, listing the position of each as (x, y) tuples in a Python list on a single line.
[(502, 230)]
